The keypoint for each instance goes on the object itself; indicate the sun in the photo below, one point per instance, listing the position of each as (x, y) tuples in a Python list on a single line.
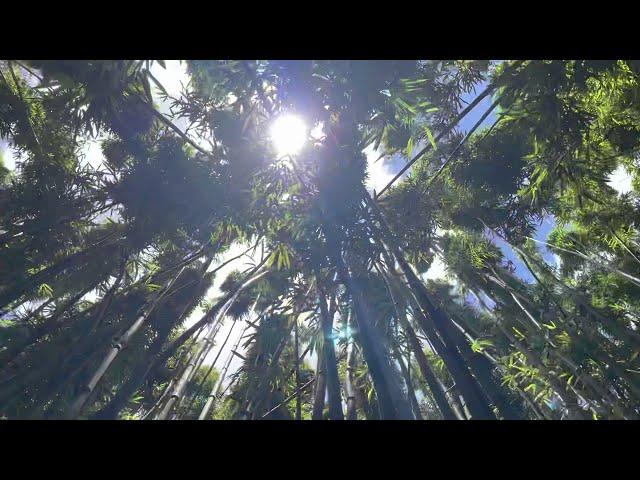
[(289, 134)]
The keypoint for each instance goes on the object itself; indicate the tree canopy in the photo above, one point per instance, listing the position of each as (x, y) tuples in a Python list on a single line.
[(199, 272)]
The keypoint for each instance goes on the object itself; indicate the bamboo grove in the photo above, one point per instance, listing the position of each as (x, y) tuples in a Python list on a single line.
[(106, 272)]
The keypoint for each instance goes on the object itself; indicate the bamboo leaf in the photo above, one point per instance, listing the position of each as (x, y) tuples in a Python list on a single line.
[(157, 83), (410, 147), (431, 138), (45, 291), (272, 258)]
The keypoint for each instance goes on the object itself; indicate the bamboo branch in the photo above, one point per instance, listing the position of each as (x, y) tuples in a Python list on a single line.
[(289, 398), (450, 127)]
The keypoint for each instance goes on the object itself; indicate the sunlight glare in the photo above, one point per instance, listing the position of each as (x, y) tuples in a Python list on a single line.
[(289, 134)]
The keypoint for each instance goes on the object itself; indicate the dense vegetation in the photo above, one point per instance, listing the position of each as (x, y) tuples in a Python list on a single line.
[(106, 271)]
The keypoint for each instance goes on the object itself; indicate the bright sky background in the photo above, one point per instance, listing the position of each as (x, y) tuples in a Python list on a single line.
[(174, 77)]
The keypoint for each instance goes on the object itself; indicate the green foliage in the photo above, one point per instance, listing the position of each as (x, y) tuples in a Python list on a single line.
[(179, 185)]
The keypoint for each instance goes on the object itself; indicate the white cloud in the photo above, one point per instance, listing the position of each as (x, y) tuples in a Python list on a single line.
[(91, 153), (621, 180), (379, 173), (173, 77), (437, 270), (557, 260)]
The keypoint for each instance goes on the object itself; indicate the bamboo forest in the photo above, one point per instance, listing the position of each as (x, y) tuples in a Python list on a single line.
[(319, 240)]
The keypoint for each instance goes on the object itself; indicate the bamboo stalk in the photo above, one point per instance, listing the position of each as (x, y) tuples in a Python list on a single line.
[(81, 399)]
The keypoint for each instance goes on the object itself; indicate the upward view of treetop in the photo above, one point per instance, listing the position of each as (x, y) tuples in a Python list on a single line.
[(318, 240)]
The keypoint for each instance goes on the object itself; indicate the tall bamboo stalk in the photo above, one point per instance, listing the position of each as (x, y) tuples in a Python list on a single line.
[(121, 343), (431, 320), (331, 366), (320, 389), (393, 403), (349, 382), (192, 366), (415, 405), (296, 348), (216, 388), (435, 386)]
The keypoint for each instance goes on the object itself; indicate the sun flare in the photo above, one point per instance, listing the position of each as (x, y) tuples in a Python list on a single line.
[(289, 134)]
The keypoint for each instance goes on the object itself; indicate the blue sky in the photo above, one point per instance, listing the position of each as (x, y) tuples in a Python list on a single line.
[(381, 172), (547, 224), (469, 121)]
